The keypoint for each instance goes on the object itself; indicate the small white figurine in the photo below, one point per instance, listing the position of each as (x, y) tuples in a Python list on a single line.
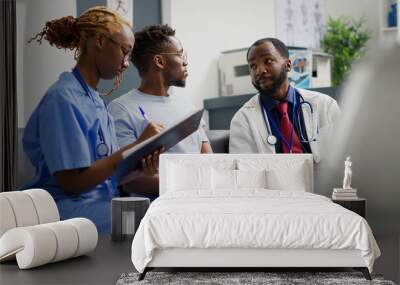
[(347, 174)]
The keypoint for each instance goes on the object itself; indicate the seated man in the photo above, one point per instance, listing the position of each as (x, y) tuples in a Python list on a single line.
[(161, 61), (281, 118)]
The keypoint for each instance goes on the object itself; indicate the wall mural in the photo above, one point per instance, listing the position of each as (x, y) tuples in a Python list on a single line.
[(300, 22), (123, 7)]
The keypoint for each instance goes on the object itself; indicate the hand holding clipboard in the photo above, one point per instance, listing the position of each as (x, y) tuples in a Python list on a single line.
[(149, 164), (166, 139)]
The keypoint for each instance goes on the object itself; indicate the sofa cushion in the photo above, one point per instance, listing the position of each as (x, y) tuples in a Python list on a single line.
[(219, 140), (40, 244)]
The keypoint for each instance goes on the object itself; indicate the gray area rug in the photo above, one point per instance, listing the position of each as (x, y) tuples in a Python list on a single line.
[(273, 278)]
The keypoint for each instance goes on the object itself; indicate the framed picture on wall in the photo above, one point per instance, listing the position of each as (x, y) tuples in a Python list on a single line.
[(123, 7), (300, 22), (300, 73)]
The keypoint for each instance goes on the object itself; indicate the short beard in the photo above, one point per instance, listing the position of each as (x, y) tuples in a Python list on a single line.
[(179, 83), (270, 92)]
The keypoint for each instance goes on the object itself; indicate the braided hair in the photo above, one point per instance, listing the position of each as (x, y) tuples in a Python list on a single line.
[(72, 33), (149, 41)]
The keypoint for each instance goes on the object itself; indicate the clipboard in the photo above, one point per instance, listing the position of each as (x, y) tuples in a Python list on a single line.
[(132, 158)]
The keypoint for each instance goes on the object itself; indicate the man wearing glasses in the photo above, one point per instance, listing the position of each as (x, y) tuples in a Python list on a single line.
[(161, 62)]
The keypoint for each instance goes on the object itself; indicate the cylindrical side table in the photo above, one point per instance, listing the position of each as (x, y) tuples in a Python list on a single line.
[(126, 214)]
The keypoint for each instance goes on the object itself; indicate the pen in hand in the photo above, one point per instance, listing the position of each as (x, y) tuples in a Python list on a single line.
[(149, 128), (143, 113)]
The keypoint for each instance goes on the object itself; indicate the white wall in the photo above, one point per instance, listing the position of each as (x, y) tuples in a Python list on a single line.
[(208, 27), (38, 66)]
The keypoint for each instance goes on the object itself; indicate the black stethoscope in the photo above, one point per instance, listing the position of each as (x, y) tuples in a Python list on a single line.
[(102, 148), (297, 107)]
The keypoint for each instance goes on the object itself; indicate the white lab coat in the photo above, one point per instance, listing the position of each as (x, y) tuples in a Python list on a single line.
[(248, 132)]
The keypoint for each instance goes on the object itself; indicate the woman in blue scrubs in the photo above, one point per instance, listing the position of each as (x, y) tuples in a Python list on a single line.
[(70, 137)]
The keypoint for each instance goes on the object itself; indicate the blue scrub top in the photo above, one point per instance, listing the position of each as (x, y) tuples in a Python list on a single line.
[(63, 133)]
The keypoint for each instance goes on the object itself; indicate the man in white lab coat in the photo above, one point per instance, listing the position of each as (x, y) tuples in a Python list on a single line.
[(280, 118)]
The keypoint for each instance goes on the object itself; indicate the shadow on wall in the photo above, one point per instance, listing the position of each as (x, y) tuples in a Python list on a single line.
[(369, 132)]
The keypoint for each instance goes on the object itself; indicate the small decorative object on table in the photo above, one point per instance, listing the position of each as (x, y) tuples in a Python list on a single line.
[(127, 212), (347, 173), (347, 192)]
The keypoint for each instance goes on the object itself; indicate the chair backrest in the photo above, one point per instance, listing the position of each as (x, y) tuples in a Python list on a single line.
[(219, 140), (26, 208), (281, 163)]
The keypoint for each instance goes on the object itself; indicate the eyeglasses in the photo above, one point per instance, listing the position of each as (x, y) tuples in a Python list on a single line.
[(126, 53), (182, 54)]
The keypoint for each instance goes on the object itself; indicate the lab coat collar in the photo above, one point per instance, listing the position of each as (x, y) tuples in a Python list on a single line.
[(255, 112)]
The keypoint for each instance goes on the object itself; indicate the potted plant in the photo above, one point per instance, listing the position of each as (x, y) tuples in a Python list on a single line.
[(345, 40)]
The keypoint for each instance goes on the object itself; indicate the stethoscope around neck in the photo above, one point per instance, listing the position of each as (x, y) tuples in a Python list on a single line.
[(297, 108), (102, 149)]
